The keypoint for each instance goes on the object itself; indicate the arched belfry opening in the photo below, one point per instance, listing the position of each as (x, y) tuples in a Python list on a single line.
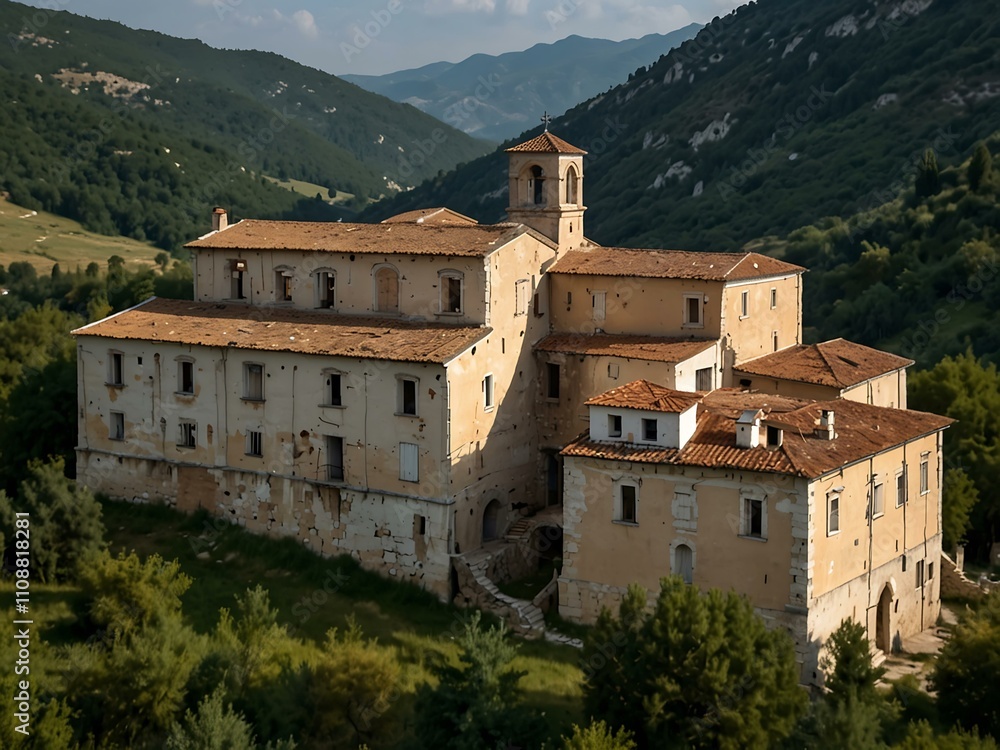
[(536, 184), (546, 188)]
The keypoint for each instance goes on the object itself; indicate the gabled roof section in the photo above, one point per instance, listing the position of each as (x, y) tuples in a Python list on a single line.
[(341, 237), (647, 396), (286, 330), (648, 348), (546, 143), (672, 264), (862, 430), (440, 216), (837, 364)]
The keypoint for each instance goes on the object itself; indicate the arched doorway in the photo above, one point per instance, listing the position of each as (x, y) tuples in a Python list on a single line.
[(386, 290), (883, 628), (491, 521), (684, 563)]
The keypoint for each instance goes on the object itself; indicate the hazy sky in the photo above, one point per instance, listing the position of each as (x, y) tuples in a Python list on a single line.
[(381, 36)]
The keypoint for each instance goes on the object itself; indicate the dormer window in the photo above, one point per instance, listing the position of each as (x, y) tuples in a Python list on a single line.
[(614, 425)]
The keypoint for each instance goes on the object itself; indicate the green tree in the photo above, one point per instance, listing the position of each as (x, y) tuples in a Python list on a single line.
[(921, 737), (960, 497), (215, 726), (980, 172), (476, 706), (965, 674), (849, 723), (928, 180), (66, 526), (849, 667), (698, 671), (598, 736)]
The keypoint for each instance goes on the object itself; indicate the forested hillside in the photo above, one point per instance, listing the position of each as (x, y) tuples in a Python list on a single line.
[(771, 118), (138, 133)]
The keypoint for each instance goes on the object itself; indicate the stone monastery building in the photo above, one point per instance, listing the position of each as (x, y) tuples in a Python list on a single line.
[(413, 393)]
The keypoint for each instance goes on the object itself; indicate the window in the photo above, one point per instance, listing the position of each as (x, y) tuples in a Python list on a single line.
[(703, 379), (753, 517), (187, 434), (332, 388), (599, 303), (238, 269), (744, 304), (572, 186), (833, 515), (878, 500), (488, 392), (537, 184), (692, 310), (451, 293), (774, 298), (409, 470), (552, 373), (253, 382), (116, 429), (522, 293), (684, 563), (255, 443), (386, 290), (614, 425), (920, 573), (930, 571), (774, 340), (185, 376), (116, 368), (613, 371), (334, 466), (407, 395), (924, 486), (628, 496), (900, 488), (326, 290), (283, 285), (649, 430)]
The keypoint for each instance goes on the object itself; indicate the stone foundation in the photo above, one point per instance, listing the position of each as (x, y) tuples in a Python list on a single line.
[(400, 537)]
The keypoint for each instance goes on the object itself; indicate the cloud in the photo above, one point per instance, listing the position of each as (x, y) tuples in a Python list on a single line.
[(461, 6), (518, 7), (302, 20)]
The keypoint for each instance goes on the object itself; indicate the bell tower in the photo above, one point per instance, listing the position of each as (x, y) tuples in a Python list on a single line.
[(546, 188)]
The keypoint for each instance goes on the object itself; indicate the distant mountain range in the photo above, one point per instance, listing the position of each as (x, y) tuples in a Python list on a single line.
[(139, 133), (497, 97), (773, 117)]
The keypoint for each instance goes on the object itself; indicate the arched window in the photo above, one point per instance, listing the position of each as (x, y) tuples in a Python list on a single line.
[(386, 289), (572, 186), (684, 563), (538, 185)]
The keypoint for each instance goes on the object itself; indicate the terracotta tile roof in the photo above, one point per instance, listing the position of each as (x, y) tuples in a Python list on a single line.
[(671, 264), (286, 330), (403, 239), (837, 363), (627, 347), (444, 216), (861, 430), (641, 394), (546, 143)]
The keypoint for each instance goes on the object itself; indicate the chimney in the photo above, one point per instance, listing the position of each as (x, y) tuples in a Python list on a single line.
[(220, 219), (748, 429), (825, 430)]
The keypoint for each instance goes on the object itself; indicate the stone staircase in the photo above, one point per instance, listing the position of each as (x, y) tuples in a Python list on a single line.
[(520, 529), (521, 616), (877, 654)]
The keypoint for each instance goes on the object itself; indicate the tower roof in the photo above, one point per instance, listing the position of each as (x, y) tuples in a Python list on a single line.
[(546, 143)]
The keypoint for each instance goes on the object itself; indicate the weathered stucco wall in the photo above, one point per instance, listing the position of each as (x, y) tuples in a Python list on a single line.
[(752, 335), (887, 390)]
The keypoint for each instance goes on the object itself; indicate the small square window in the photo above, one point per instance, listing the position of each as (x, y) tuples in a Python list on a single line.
[(614, 425), (117, 426), (255, 443), (649, 430), (488, 392), (253, 382), (187, 434), (552, 374), (692, 310), (627, 504)]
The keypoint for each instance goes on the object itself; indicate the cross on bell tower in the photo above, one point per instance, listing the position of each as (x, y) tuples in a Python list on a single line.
[(547, 120)]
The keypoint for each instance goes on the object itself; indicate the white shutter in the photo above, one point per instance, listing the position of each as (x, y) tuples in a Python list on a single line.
[(408, 462)]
